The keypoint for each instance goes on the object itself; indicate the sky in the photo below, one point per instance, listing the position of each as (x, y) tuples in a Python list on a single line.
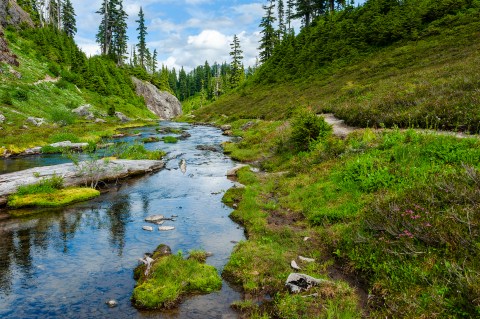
[(184, 32)]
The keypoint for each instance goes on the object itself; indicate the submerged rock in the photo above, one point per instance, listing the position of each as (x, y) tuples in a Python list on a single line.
[(212, 148), (154, 218), (111, 303), (147, 228), (166, 228)]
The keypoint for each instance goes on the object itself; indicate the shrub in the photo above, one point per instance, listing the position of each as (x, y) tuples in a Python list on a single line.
[(20, 95), (307, 128), (170, 139), (62, 84), (46, 185), (62, 116), (6, 98)]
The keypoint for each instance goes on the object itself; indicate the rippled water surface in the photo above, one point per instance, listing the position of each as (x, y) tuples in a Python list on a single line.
[(67, 263)]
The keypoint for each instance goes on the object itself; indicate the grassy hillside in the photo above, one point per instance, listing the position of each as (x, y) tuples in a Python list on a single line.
[(391, 217), (428, 79), (29, 91)]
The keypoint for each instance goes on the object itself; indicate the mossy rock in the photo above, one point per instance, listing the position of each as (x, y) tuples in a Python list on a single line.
[(172, 277), (61, 197), (151, 139)]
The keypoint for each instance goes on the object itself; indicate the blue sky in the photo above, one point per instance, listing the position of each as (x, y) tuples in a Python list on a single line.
[(184, 32)]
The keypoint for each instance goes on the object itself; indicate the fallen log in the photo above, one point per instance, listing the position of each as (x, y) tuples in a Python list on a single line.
[(77, 175)]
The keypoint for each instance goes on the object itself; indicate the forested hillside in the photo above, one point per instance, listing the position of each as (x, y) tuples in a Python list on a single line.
[(387, 62)]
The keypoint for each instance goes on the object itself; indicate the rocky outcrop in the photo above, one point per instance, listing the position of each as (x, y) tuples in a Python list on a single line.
[(83, 111), (163, 104), (12, 14), (76, 175), (122, 117)]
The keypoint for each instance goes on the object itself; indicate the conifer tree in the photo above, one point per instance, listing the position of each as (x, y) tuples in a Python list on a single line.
[(68, 19), (269, 38), (104, 35), (142, 33), (154, 61), (53, 12), (119, 18), (183, 85), (290, 14), (281, 20), (237, 71)]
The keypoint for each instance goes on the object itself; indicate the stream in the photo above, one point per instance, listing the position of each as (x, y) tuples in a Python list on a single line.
[(67, 263)]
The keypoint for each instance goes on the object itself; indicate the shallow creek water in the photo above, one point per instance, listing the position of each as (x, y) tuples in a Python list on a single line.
[(67, 263)]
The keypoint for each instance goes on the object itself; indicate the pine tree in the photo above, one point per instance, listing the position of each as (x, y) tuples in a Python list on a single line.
[(290, 14), (104, 35), (269, 38), (237, 71), (119, 47), (281, 20), (154, 61), (142, 33), (53, 13), (183, 85), (68, 19)]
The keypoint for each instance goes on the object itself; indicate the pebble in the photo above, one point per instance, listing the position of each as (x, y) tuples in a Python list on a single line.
[(148, 228), (166, 228)]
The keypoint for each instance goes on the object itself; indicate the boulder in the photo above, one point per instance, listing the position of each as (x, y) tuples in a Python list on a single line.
[(70, 145), (33, 151), (226, 127), (162, 103), (227, 133), (12, 14), (37, 121), (84, 111), (122, 117), (100, 121), (154, 218), (300, 282), (233, 171), (2, 118)]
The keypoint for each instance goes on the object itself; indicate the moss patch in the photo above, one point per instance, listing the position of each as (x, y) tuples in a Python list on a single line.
[(172, 277), (57, 198)]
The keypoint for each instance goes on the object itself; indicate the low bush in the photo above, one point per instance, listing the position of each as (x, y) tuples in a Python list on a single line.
[(307, 128), (46, 185)]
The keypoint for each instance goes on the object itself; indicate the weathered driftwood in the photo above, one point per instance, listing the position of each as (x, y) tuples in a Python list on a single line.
[(104, 171)]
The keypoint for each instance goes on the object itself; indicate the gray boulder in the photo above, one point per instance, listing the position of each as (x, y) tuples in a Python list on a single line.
[(84, 111), (300, 282), (162, 103), (122, 117), (37, 121), (2, 118), (70, 145), (100, 121), (226, 127)]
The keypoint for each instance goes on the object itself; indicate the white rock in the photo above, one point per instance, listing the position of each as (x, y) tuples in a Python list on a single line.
[(166, 228), (2, 118), (294, 265), (233, 171), (111, 303), (300, 282), (183, 166), (147, 228), (306, 238), (305, 259)]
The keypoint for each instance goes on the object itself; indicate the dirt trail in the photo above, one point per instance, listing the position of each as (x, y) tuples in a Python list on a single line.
[(48, 78), (342, 130)]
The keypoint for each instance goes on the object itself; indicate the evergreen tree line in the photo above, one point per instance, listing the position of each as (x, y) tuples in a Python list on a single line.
[(350, 33), (58, 14), (276, 24)]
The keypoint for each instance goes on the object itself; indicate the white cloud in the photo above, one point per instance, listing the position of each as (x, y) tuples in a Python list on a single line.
[(208, 39)]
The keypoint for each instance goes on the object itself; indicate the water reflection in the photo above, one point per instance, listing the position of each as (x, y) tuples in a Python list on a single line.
[(67, 263)]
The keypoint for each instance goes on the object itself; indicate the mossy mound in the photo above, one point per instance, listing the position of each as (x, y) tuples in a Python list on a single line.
[(57, 198), (170, 278)]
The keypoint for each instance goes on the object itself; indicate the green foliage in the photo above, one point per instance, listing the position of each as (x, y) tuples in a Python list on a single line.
[(46, 185), (62, 116), (20, 94), (64, 136), (56, 198), (136, 151), (6, 98), (307, 128), (169, 139), (170, 278)]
